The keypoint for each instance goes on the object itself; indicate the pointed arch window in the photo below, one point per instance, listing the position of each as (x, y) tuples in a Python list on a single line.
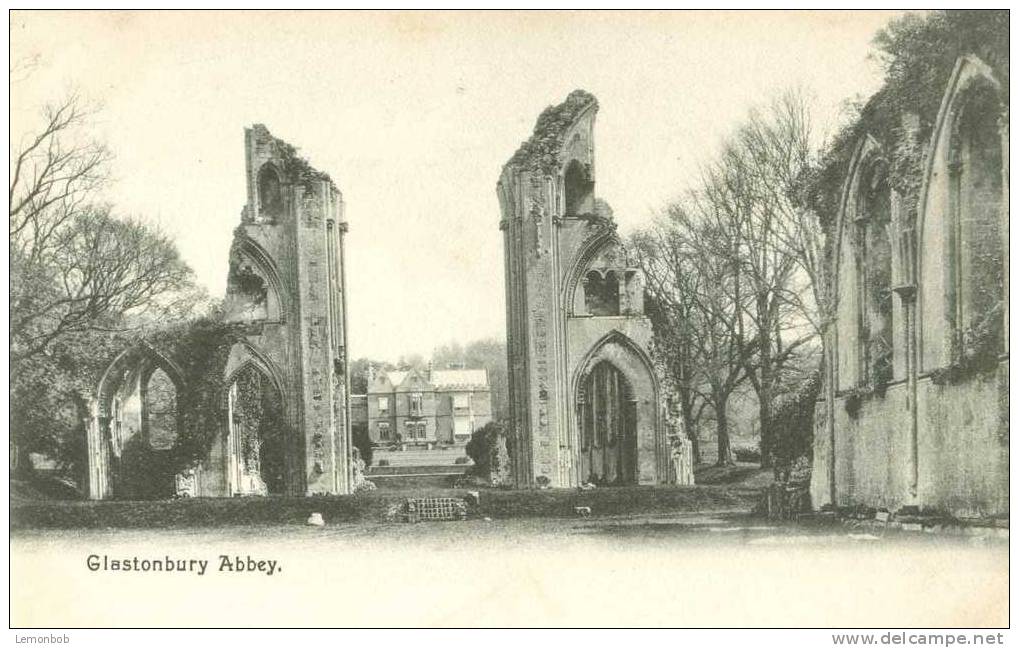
[(874, 275), (160, 410), (270, 193), (976, 202), (601, 294), (578, 189)]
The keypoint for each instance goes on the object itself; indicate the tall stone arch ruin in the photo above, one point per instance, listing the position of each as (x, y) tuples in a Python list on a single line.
[(286, 307), (574, 305)]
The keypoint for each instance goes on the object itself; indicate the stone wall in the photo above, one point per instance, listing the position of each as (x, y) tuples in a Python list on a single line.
[(286, 305), (946, 448), (555, 232)]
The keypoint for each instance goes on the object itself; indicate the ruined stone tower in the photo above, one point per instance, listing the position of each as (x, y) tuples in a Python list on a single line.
[(286, 285), (282, 426), (585, 398)]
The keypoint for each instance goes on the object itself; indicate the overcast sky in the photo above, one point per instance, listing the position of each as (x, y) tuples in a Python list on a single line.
[(413, 115)]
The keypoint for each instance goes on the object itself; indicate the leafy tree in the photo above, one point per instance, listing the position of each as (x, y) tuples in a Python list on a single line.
[(362, 441), (100, 274), (359, 373), (489, 449)]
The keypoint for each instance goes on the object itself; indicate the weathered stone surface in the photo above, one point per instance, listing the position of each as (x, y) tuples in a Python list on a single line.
[(286, 293), (574, 304), (931, 433)]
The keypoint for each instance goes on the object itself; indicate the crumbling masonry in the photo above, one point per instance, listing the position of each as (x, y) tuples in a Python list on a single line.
[(288, 366), (586, 399)]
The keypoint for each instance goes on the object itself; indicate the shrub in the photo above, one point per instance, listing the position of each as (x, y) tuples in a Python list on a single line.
[(383, 463), (488, 448), (747, 453), (794, 426), (461, 460), (362, 441)]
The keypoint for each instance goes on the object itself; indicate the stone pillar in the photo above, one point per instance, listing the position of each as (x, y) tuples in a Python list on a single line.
[(906, 291), (98, 461)]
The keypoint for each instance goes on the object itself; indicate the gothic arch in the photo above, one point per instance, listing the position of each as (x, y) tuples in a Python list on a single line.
[(643, 462), (133, 359), (938, 267), (242, 471), (248, 248), (868, 151), (243, 355), (588, 252), (640, 364), (118, 430), (854, 350), (269, 185)]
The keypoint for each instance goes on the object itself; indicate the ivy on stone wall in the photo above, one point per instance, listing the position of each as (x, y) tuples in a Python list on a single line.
[(918, 53), (540, 153), (793, 422), (981, 345), (201, 349), (298, 170)]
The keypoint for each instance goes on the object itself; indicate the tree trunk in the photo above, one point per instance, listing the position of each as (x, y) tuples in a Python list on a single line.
[(767, 433), (724, 445), (21, 462), (764, 394), (690, 429), (695, 445)]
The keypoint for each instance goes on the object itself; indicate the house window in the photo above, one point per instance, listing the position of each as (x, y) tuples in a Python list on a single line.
[(383, 431), (463, 426), (415, 404), (416, 430), (383, 404), (461, 401)]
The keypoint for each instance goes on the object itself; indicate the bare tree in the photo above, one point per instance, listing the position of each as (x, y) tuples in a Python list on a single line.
[(74, 267), (750, 189), (697, 290), (102, 270), (76, 274), (55, 173), (671, 289), (735, 269)]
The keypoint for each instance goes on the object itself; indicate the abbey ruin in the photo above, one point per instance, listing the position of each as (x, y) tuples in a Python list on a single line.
[(278, 422), (586, 400), (916, 407), (913, 405)]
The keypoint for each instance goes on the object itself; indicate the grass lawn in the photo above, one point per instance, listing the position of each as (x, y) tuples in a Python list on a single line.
[(719, 489), (496, 504)]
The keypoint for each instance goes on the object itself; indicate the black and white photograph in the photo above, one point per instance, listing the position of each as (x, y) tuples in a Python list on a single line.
[(691, 319)]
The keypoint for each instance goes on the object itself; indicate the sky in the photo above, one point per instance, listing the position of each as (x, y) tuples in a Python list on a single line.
[(413, 115)]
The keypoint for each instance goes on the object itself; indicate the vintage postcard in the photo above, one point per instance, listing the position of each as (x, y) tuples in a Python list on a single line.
[(375, 319)]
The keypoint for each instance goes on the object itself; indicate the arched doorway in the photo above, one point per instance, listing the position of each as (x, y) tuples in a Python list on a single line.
[(608, 427), (257, 438), (132, 437)]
